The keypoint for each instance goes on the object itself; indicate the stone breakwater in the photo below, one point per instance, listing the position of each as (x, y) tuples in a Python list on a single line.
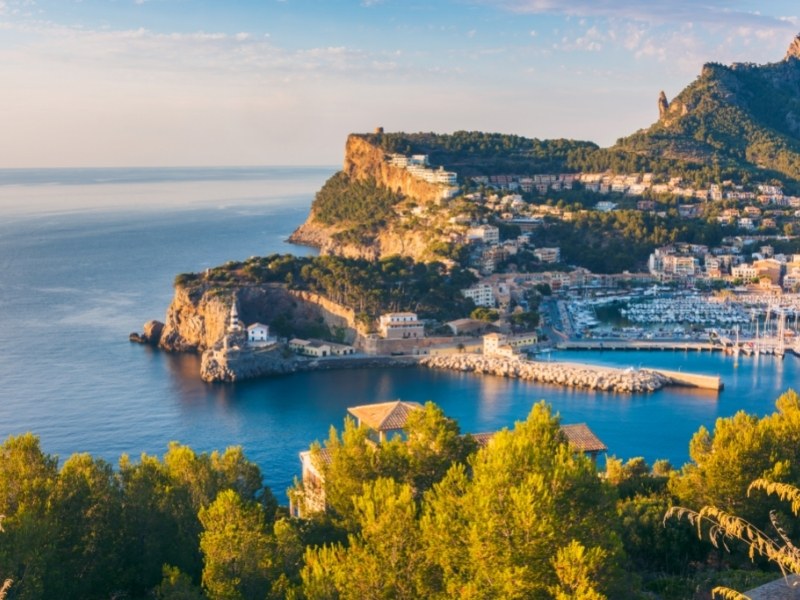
[(556, 373)]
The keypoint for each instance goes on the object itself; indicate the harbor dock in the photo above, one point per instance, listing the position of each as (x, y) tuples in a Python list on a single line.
[(610, 344)]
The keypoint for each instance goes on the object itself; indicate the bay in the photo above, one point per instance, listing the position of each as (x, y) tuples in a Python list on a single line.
[(88, 255)]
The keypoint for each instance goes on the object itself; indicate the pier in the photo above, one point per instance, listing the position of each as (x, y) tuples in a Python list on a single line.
[(706, 382), (638, 345)]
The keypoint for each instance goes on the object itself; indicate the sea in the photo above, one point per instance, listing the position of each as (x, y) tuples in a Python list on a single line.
[(88, 255)]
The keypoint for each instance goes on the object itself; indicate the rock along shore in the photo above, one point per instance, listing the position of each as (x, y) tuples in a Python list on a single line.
[(556, 373), (239, 364)]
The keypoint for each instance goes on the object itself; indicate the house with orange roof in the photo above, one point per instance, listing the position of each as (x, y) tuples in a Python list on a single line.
[(385, 420)]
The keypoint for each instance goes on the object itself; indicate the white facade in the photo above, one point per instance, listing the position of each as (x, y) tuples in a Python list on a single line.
[(258, 332), (492, 343), (401, 325), (548, 255), (488, 234), (310, 348), (417, 165), (744, 272), (480, 294), (234, 325)]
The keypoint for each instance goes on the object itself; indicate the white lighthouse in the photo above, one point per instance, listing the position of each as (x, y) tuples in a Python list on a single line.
[(235, 325)]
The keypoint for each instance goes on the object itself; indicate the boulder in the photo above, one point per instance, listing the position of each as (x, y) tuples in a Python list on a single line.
[(152, 331)]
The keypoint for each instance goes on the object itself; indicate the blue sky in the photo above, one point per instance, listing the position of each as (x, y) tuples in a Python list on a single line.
[(227, 82)]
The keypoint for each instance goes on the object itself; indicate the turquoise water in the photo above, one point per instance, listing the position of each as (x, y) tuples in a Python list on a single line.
[(87, 256)]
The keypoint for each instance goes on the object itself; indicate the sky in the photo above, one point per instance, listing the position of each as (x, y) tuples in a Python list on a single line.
[(282, 82)]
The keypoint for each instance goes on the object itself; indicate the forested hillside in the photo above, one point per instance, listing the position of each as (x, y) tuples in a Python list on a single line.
[(743, 116), (472, 153)]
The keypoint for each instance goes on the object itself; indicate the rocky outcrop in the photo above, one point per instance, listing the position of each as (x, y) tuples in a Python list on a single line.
[(663, 105), (565, 374), (151, 335), (196, 319), (224, 363), (793, 50), (198, 316), (363, 160), (228, 363), (388, 242)]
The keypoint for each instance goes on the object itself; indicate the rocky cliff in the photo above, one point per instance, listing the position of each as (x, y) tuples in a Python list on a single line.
[(390, 241), (222, 363), (196, 320), (366, 161), (238, 364), (198, 316)]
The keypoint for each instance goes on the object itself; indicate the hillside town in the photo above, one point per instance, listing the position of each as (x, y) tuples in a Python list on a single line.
[(500, 217)]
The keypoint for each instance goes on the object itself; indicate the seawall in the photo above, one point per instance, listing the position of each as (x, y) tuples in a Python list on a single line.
[(557, 373), (706, 382)]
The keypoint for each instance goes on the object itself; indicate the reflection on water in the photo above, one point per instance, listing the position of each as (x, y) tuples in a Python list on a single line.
[(74, 287)]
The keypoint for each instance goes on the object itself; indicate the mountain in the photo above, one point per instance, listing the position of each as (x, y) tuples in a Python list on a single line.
[(745, 116)]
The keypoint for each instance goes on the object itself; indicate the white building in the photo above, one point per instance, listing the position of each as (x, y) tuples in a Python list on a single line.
[(258, 332), (310, 348), (481, 294), (744, 272), (498, 344), (400, 325), (488, 234), (548, 255), (606, 206)]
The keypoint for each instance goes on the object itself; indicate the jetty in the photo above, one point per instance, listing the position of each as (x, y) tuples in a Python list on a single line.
[(613, 344), (571, 374), (706, 382)]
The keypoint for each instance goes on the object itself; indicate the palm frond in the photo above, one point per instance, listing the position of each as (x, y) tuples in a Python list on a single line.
[(784, 491), (727, 594)]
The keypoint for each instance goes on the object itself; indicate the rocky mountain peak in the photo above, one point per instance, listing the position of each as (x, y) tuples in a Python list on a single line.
[(794, 49), (663, 105)]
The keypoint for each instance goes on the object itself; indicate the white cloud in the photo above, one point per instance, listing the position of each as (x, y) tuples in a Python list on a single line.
[(715, 29), (672, 11)]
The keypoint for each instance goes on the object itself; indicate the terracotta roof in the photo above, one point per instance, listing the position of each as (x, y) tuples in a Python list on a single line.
[(483, 439), (579, 437), (785, 588), (385, 416), (323, 457)]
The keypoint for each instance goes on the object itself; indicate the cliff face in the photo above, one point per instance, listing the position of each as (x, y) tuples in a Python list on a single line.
[(364, 160), (195, 321), (388, 242), (197, 318), (335, 315)]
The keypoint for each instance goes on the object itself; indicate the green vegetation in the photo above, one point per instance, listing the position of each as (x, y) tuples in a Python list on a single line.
[(472, 153), (739, 122), (431, 515), (482, 313), (360, 206), (370, 288), (622, 240)]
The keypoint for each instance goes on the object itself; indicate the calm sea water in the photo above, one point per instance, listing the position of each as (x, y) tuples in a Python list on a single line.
[(87, 256)]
